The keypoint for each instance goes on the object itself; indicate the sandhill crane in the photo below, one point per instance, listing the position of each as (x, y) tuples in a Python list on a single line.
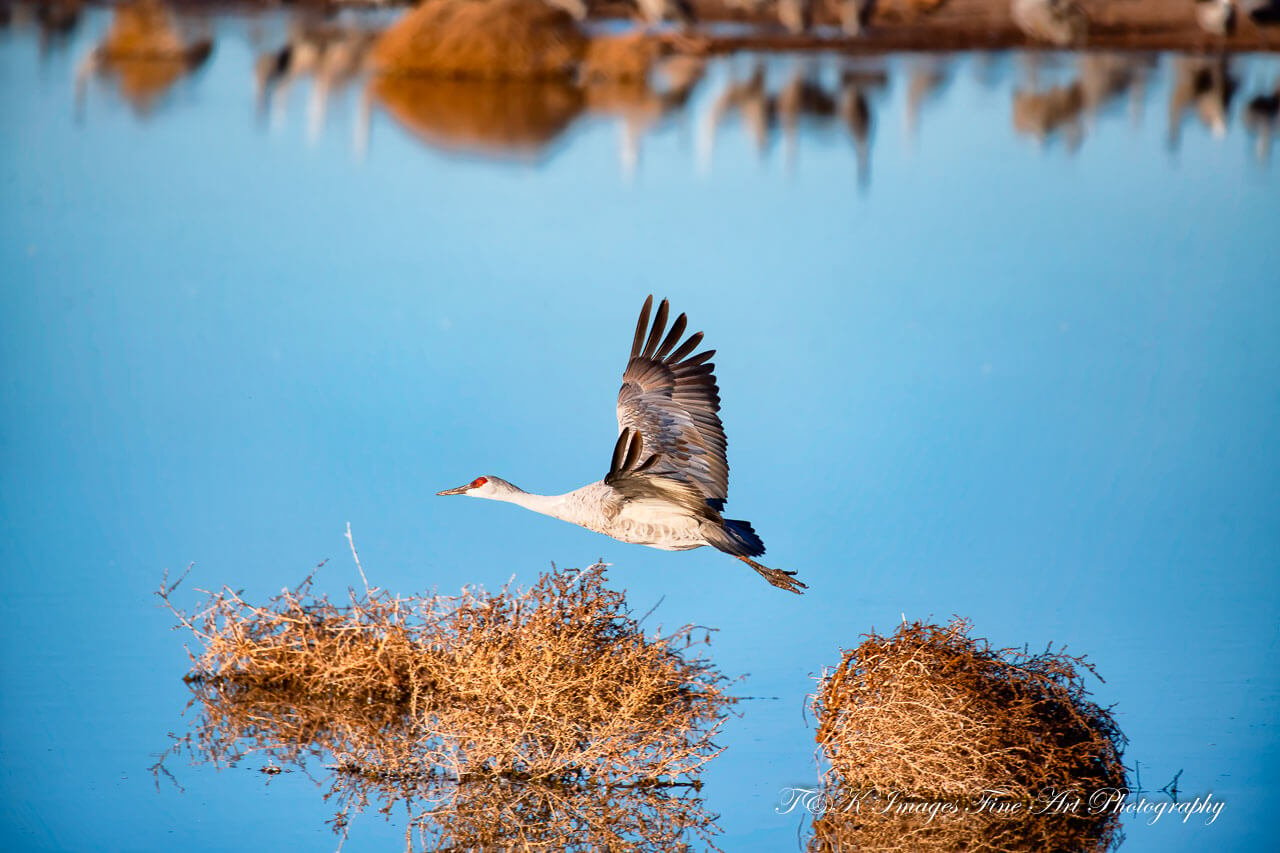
[(795, 15), (1060, 22), (1216, 17), (655, 12), (669, 480)]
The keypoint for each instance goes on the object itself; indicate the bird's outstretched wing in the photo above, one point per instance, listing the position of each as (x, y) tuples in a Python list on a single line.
[(668, 424)]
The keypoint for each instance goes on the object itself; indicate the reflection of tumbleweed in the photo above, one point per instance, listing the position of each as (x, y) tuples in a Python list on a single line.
[(936, 741), (522, 718)]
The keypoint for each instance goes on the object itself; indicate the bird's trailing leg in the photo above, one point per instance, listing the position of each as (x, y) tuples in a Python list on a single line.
[(778, 577)]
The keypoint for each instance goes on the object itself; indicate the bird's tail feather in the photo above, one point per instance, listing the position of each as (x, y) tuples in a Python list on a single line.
[(739, 539)]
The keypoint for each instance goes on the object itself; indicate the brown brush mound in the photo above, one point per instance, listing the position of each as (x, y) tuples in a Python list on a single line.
[(931, 713), (501, 117), (485, 39), (556, 682)]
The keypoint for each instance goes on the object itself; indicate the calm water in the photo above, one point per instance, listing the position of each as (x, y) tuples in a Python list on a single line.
[(997, 334)]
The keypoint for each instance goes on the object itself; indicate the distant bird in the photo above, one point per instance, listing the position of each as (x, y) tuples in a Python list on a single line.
[(655, 12), (1059, 22), (853, 15), (1264, 12), (669, 479), (795, 15), (1216, 17)]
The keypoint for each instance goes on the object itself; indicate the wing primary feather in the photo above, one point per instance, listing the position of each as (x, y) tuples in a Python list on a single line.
[(686, 347), (673, 337), (619, 451), (634, 450), (659, 325), (642, 326), (699, 358)]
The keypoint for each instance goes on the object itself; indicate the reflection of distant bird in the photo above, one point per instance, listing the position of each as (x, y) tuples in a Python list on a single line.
[(58, 18), (1216, 17), (332, 55), (855, 111), (1260, 117), (1102, 77), (1041, 114), (802, 97), (1060, 22), (1205, 84), (639, 105), (927, 77), (748, 98)]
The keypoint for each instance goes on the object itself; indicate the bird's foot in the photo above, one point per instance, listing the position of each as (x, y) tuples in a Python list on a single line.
[(780, 578)]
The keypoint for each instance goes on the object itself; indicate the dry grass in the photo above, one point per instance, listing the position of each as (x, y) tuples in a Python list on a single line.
[(493, 719), (932, 714), (482, 39)]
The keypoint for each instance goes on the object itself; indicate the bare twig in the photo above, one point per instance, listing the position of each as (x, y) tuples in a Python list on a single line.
[(356, 557)]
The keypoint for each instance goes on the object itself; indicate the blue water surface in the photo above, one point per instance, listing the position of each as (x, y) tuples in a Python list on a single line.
[(1029, 378)]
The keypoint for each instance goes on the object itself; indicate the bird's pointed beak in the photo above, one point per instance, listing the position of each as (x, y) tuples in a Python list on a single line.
[(461, 490)]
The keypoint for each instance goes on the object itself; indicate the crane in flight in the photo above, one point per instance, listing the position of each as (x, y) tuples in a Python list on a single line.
[(668, 481)]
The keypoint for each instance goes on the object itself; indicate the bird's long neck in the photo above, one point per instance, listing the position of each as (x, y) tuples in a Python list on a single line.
[(552, 505)]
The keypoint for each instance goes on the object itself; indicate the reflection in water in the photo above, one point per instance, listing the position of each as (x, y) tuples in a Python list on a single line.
[(927, 78), (331, 56), (538, 718), (640, 107), (145, 52), (879, 823), (1260, 118), (517, 118), (1205, 85), (646, 83), (55, 20), (803, 101), (1101, 79)]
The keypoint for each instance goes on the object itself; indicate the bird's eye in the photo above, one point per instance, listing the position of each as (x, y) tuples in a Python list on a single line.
[(478, 482)]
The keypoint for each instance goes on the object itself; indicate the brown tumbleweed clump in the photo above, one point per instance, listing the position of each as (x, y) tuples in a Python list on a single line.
[(482, 39), (543, 718), (937, 741), (934, 713), (554, 682)]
